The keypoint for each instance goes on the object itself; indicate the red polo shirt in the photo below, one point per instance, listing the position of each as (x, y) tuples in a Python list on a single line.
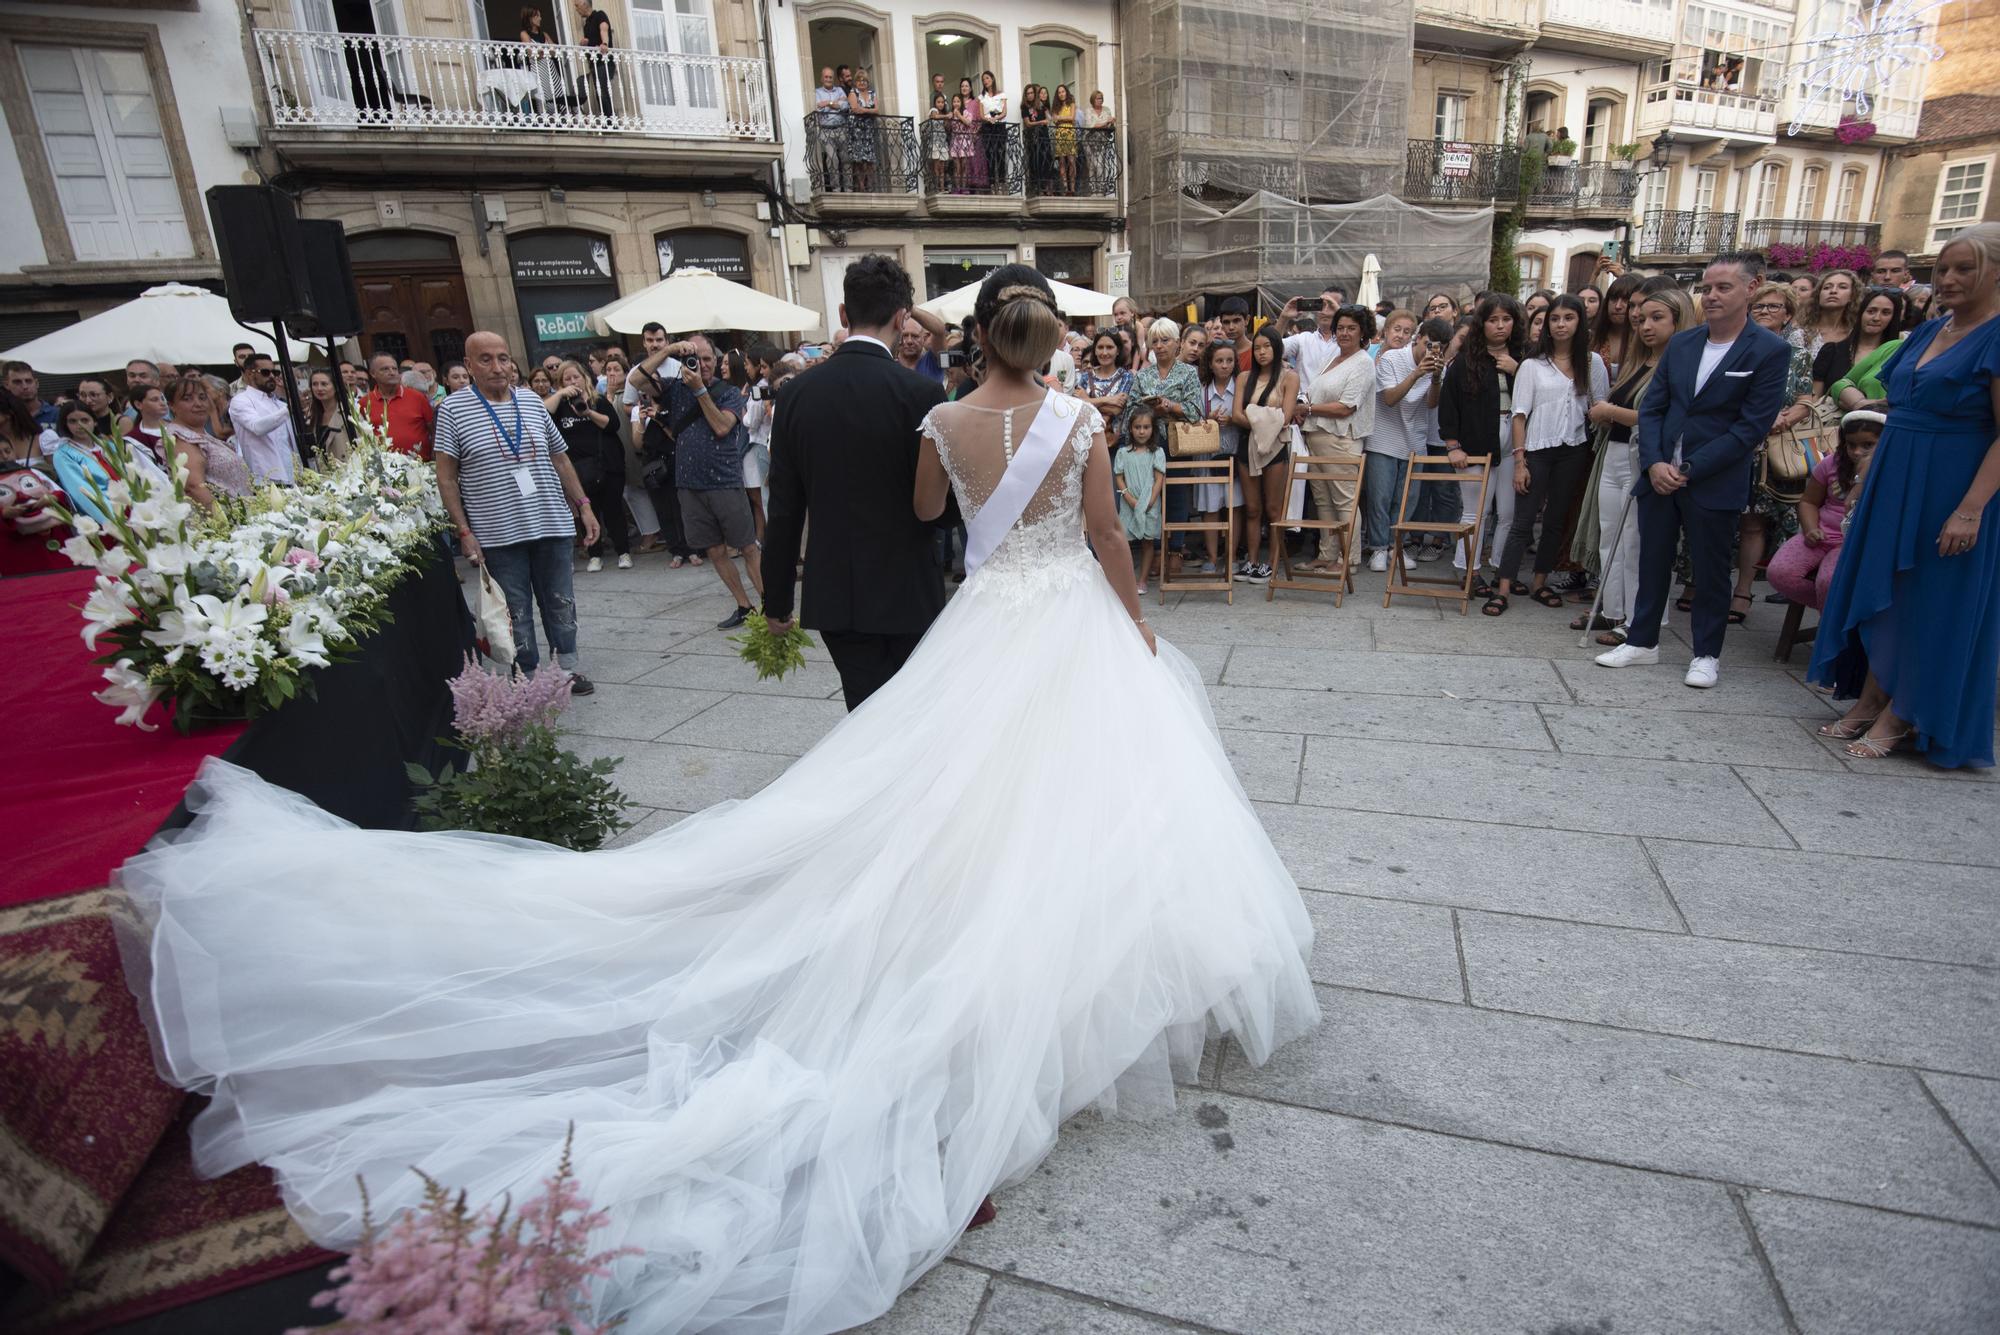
[(406, 418)]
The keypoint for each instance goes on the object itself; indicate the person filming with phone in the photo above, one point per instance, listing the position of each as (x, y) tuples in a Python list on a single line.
[(1312, 352)]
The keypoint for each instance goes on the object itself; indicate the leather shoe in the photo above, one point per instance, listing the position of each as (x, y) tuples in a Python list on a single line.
[(734, 619)]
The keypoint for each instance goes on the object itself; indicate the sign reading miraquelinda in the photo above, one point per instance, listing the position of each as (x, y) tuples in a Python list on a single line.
[(562, 326)]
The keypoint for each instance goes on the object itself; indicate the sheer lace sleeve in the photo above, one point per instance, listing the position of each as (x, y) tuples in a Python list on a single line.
[(1089, 423)]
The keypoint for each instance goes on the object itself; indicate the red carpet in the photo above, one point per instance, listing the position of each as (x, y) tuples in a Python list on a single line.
[(100, 1210)]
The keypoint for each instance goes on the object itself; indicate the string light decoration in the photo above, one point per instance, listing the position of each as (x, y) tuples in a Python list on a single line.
[(1864, 54)]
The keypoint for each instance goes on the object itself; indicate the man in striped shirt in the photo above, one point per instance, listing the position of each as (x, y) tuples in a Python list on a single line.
[(504, 473)]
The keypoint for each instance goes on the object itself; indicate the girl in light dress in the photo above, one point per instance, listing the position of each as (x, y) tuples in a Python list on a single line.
[(1140, 464)]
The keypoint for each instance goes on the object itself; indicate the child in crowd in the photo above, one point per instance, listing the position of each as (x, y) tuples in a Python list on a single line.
[(1139, 465), (1803, 568)]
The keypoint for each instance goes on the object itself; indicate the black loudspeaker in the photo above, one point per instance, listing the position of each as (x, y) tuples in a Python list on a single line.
[(336, 312), (262, 250)]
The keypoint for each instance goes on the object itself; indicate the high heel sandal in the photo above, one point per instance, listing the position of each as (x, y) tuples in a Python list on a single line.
[(1847, 729), (1876, 748)]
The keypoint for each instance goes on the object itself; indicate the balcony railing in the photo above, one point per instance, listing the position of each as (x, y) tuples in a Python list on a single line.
[(862, 155), (1684, 106), (1588, 187), (1521, 16), (1687, 232), (350, 81), (1443, 171), (1089, 167), (988, 159), (1761, 233), (1612, 19), (1894, 117)]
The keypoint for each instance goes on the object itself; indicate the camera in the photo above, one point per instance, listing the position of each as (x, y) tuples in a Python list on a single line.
[(692, 364), (952, 357), (758, 393), (1312, 303)]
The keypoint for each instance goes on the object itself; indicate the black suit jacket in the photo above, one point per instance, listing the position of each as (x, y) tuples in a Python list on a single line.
[(844, 450)]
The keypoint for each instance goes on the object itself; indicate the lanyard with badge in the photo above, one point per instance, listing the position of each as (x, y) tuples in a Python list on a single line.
[(524, 474)]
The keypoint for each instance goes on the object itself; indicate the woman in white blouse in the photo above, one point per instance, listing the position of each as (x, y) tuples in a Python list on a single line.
[(993, 130), (1340, 415), (1553, 392)]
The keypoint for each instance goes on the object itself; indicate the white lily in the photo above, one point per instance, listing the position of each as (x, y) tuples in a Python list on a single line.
[(305, 644), (109, 606), (79, 549), (129, 692)]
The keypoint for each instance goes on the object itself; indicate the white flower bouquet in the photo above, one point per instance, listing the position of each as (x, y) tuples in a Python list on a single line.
[(222, 613)]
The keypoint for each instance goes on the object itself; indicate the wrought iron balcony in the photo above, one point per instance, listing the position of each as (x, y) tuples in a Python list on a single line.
[(1089, 169), (862, 155), (988, 160), (1602, 188), (1687, 232), (360, 81), (1442, 171), (1762, 233)]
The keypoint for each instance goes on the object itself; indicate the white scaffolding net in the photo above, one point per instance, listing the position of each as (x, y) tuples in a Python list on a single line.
[(1267, 144)]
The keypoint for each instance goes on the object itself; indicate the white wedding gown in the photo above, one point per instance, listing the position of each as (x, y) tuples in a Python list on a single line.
[(799, 1036)]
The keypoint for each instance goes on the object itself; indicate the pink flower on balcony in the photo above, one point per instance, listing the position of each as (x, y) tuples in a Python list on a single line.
[(1851, 131)]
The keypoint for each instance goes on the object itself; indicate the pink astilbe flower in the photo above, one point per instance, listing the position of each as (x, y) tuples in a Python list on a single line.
[(445, 1270), (491, 710)]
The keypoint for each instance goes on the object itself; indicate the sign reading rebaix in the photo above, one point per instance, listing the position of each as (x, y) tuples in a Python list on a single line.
[(544, 258), (563, 325), (724, 254)]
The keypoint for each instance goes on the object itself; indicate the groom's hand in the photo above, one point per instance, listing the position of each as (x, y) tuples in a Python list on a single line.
[(779, 629)]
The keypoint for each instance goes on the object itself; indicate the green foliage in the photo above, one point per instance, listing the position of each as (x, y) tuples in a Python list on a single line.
[(772, 656), (1625, 152), (531, 788), (1504, 270), (1563, 148)]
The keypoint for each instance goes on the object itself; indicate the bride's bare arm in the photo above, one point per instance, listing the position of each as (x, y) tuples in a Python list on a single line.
[(933, 486), (1107, 535)]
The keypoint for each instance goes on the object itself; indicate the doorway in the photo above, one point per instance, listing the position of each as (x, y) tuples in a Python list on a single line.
[(412, 296), (1582, 268)]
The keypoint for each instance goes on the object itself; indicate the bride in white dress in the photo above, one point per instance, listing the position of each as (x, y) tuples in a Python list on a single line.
[(800, 1037)]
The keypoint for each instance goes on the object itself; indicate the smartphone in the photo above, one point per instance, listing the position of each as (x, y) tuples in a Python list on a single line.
[(1312, 303)]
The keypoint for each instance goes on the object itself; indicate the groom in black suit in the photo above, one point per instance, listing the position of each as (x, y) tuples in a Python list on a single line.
[(844, 452)]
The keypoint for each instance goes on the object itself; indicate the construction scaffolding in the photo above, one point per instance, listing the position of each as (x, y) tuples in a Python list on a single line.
[(1267, 146)]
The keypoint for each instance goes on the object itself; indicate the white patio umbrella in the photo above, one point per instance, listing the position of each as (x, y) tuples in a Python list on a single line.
[(689, 300), (1073, 301), (1371, 283), (169, 323)]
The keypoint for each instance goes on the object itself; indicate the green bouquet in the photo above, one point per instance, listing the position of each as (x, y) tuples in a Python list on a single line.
[(772, 655)]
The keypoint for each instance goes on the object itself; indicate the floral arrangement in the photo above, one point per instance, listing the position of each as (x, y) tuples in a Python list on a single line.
[(222, 612), (522, 782), (446, 1270), (1787, 255), (772, 655), (1852, 130)]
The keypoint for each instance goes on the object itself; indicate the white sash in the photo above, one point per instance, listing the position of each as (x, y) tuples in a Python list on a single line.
[(1023, 478)]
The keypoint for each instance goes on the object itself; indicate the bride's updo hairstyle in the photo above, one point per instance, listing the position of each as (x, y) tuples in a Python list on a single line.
[(1017, 311)]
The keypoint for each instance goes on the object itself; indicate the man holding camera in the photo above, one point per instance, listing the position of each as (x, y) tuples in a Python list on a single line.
[(705, 415), (1310, 353)]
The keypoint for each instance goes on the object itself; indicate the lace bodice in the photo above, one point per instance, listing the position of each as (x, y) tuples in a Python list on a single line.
[(1045, 550)]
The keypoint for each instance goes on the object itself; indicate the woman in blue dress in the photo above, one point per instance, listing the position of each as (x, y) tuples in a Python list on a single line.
[(1912, 622)]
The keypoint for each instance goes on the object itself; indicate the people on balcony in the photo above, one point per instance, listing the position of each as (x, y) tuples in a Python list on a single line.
[(937, 140), (862, 130), (993, 128), (1062, 137), (597, 42), (968, 154), (830, 115), (1096, 115), (1035, 137)]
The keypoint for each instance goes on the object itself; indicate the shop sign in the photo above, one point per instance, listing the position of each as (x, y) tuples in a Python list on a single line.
[(562, 327)]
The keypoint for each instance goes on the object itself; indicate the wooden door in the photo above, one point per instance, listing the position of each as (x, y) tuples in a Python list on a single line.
[(413, 311), (1582, 268)]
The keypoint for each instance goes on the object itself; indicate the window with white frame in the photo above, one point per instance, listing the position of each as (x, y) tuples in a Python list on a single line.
[(1656, 192), (1704, 190), (1812, 184), (1765, 202), (1534, 272), (1449, 121), (100, 129), (1961, 198), (1848, 200)]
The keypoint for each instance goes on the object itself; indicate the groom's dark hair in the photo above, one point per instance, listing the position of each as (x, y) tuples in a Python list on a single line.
[(875, 288)]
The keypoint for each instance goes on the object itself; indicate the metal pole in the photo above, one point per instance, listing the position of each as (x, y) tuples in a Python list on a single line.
[(291, 392), (1597, 599)]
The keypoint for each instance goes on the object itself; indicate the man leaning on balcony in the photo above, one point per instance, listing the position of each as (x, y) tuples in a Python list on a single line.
[(830, 113)]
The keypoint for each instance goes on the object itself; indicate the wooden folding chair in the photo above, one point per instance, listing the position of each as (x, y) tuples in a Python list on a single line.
[(1437, 468), (1336, 469), (1197, 473)]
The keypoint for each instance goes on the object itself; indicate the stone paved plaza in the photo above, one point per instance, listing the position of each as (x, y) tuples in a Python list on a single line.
[(1645, 1011)]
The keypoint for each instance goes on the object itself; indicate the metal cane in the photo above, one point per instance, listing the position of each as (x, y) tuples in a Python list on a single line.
[(1597, 599)]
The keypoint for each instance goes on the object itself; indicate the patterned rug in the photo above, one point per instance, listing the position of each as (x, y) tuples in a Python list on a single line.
[(100, 1209)]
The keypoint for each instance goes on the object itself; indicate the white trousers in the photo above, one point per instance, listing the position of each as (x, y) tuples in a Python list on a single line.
[(1620, 578)]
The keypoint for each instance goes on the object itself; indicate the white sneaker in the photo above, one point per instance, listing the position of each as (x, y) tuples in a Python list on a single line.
[(1630, 655), (1380, 561), (624, 560), (596, 564), (1702, 673), (1409, 562)]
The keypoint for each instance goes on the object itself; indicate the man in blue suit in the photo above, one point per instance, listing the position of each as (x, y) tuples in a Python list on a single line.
[(1715, 398)]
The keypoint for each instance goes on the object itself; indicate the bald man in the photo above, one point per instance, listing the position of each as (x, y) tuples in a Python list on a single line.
[(504, 473)]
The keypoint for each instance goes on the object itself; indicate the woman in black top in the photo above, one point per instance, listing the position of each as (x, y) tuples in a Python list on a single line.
[(1880, 320), (589, 426), (1474, 402)]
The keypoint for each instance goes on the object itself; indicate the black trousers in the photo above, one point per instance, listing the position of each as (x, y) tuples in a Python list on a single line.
[(607, 500), (1555, 476), (866, 662), (1709, 534)]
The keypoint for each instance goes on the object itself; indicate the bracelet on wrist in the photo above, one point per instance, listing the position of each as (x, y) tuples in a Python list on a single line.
[(1963, 517)]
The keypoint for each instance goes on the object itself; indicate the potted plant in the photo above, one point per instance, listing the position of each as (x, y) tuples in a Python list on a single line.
[(1562, 153), (1625, 152)]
